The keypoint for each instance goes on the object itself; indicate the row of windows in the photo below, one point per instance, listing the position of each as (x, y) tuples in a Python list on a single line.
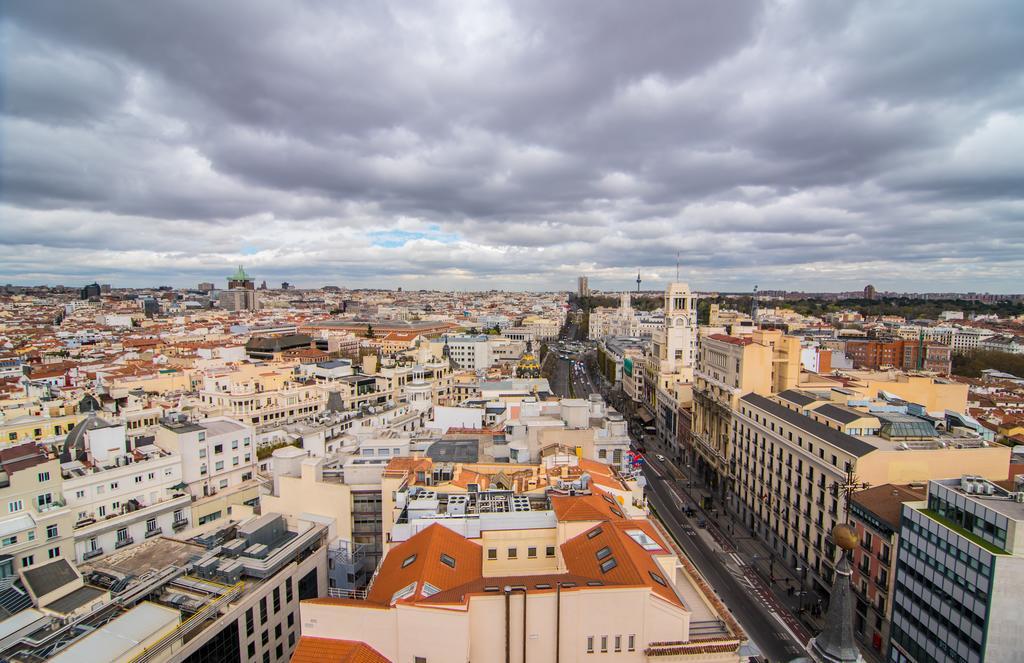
[(969, 521), (919, 652), (513, 553), (943, 545), (958, 610), (616, 640)]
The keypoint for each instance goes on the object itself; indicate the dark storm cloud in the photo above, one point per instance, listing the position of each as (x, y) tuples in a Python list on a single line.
[(814, 144)]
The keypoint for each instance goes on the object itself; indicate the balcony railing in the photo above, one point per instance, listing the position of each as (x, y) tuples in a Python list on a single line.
[(121, 543), (154, 532), (179, 524), (90, 554)]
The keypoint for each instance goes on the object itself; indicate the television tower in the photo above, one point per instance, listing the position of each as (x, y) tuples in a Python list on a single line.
[(753, 306), (638, 281)]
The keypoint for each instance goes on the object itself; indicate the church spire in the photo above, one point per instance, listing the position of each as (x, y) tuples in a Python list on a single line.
[(835, 643)]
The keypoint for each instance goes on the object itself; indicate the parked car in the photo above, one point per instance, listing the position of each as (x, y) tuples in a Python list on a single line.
[(660, 457)]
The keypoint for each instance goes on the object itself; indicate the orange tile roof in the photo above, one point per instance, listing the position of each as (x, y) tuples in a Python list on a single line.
[(583, 508), (418, 561), (634, 565), (327, 650)]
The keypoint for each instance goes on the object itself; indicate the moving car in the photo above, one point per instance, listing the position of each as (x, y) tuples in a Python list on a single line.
[(660, 457)]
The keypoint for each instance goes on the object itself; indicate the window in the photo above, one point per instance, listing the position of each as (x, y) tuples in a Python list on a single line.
[(278, 631), (594, 532), (79, 494), (550, 551), (531, 552), (448, 560), (631, 643), (603, 552), (222, 485), (277, 600), (408, 560), (218, 466), (122, 535), (251, 649), (44, 477), (101, 510), (291, 639), (202, 453), (618, 643), (51, 531), (27, 561), (202, 469), (265, 638), (608, 564), (266, 657), (54, 552), (218, 448), (10, 540), (492, 553), (658, 579), (14, 506), (590, 644), (151, 476), (288, 595), (234, 461), (234, 444), (114, 485), (512, 553), (250, 623), (263, 611), (604, 644), (280, 651), (291, 619)]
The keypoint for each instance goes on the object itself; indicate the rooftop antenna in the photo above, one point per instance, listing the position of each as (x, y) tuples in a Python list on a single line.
[(638, 281)]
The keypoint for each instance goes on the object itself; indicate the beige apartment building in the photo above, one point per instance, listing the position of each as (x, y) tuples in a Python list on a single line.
[(765, 362), (565, 576), (36, 525), (793, 468)]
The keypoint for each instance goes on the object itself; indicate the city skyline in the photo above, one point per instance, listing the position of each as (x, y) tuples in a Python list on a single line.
[(798, 146)]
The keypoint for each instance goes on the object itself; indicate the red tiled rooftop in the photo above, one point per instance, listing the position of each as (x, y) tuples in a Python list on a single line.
[(327, 650), (734, 340)]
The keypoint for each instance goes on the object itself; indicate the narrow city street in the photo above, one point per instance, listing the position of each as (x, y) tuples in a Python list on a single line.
[(768, 624)]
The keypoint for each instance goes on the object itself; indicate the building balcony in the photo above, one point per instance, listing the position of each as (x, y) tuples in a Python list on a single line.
[(154, 532), (121, 543), (91, 554), (179, 525)]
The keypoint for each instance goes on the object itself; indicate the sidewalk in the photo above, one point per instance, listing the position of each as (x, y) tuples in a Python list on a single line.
[(732, 536)]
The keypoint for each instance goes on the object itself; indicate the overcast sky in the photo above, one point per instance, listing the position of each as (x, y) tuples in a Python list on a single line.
[(811, 145)]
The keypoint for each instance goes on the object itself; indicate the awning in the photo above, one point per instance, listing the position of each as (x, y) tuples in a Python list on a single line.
[(644, 416)]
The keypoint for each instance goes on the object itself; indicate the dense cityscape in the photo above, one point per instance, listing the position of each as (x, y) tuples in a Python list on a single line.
[(428, 331), (239, 472)]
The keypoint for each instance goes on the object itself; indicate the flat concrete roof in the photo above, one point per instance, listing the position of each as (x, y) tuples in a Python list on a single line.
[(119, 637)]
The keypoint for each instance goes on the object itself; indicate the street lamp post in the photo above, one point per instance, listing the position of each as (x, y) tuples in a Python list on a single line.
[(802, 570)]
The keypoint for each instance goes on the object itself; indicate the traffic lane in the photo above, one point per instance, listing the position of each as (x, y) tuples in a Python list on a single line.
[(757, 621)]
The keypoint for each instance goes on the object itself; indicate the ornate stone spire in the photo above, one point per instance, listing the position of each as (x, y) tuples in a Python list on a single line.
[(835, 644)]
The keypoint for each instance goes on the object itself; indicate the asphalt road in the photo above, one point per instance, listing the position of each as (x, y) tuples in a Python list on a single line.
[(758, 619)]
